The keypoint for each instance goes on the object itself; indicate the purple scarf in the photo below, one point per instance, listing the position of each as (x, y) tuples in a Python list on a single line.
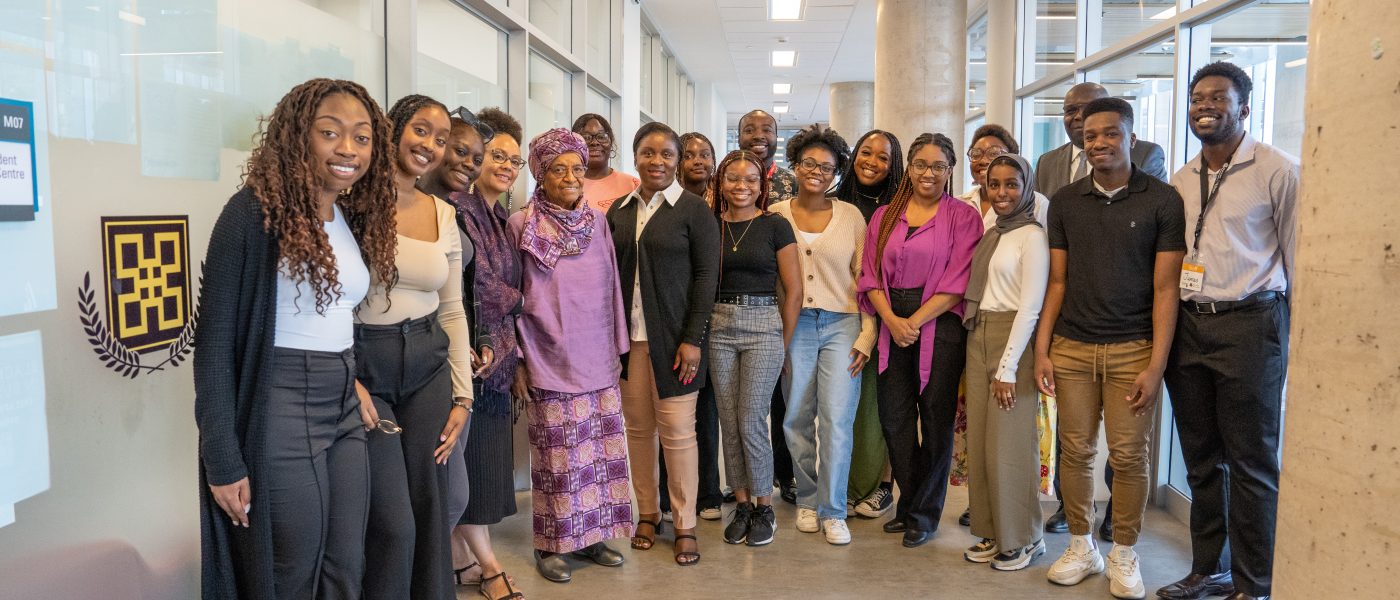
[(550, 231), (496, 288)]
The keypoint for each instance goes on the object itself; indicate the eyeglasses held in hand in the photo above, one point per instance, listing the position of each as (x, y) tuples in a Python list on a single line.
[(388, 427)]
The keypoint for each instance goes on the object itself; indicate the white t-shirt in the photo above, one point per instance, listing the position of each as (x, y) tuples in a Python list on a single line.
[(299, 326)]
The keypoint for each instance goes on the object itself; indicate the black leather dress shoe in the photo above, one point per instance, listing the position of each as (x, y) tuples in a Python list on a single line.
[(1244, 596), (553, 567), (1106, 529), (913, 538), (788, 491), (966, 519), (1196, 585), (895, 525), (600, 553), (1057, 522)]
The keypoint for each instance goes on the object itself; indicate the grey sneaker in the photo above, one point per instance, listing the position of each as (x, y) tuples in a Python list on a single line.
[(762, 523), (1018, 558)]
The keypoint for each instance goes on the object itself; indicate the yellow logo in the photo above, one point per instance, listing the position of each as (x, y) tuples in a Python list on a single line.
[(149, 294)]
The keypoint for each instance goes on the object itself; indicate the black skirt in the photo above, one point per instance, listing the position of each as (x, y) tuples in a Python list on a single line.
[(490, 457)]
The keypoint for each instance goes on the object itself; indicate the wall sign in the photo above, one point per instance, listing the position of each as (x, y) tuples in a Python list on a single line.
[(19, 188), (148, 298)]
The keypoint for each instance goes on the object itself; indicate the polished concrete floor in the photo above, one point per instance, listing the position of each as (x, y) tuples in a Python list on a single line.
[(801, 565)]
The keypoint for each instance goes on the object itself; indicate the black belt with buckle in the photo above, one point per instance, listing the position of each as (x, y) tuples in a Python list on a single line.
[(749, 299), (1215, 308)]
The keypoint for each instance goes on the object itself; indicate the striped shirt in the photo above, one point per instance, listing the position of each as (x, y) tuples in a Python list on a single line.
[(1250, 232)]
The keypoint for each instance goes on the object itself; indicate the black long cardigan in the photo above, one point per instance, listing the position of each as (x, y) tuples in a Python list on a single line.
[(232, 378), (679, 254)]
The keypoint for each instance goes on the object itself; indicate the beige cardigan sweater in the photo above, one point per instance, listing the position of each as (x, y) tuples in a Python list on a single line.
[(831, 265)]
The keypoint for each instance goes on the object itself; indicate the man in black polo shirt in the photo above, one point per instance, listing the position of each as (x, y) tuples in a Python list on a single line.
[(1116, 245)]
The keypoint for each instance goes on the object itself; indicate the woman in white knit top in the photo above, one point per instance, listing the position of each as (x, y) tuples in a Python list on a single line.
[(832, 340)]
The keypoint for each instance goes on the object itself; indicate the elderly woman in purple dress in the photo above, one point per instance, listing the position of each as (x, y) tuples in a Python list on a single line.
[(572, 332)]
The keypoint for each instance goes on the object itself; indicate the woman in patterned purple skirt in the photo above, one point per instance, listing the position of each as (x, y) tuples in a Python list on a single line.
[(572, 332)]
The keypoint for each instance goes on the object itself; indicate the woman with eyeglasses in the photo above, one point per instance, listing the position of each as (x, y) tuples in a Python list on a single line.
[(667, 247), (832, 339), (495, 286), (281, 430), (917, 257), (573, 330), (602, 185), (413, 351), (749, 335), (869, 182)]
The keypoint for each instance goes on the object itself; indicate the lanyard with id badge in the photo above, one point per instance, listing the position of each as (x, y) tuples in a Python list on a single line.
[(1193, 272)]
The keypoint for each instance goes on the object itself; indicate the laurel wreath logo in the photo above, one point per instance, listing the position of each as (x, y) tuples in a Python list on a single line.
[(116, 355)]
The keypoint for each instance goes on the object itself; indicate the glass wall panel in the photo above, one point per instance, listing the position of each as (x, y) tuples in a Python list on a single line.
[(600, 36), (1123, 18), (1144, 79), (555, 19), (1054, 37), (647, 40), (971, 127), (461, 58), (977, 65), (549, 106), (1044, 121), (1269, 41), (597, 103)]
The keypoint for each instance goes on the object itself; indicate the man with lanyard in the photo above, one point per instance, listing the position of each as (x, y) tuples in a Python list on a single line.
[(1226, 371), (758, 134)]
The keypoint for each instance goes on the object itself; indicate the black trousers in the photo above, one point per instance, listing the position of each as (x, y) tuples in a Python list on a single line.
[(918, 426), (315, 470), (707, 438), (1225, 375), (405, 369), (782, 457)]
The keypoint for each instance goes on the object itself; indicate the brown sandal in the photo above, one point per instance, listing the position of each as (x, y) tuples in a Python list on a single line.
[(691, 557), (641, 542), (510, 589)]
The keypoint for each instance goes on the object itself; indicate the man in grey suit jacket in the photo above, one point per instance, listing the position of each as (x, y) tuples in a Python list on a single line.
[(1053, 170)]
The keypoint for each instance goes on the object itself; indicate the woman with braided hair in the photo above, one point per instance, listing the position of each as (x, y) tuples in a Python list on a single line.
[(415, 361), (281, 430), (915, 268)]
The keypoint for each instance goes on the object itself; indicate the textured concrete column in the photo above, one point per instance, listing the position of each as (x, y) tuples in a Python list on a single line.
[(921, 67), (852, 108), (1341, 459)]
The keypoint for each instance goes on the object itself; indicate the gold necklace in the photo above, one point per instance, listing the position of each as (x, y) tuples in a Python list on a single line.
[(735, 246)]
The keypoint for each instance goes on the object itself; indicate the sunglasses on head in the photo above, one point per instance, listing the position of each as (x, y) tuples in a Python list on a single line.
[(471, 119)]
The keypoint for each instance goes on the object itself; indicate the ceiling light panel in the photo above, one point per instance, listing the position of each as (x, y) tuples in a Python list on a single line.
[(780, 109), (785, 10), (784, 58), (782, 88)]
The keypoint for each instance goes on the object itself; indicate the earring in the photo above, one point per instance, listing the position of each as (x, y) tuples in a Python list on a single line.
[(345, 193)]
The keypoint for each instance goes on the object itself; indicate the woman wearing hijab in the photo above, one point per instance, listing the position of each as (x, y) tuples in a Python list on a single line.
[(572, 332), (1010, 269)]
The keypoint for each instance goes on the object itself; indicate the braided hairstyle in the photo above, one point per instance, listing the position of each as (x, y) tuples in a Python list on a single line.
[(715, 186), (846, 190), (696, 135), (900, 201), (818, 136), (402, 112), (280, 174)]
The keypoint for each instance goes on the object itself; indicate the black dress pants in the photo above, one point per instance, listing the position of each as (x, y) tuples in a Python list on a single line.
[(918, 425), (782, 457), (405, 369), (707, 438), (1225, 375), (314, 467)]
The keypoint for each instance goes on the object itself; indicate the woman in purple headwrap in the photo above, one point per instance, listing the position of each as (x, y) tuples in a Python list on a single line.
[(572, 332)]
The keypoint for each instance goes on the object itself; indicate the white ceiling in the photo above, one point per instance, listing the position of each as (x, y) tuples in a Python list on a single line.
[(729, 43)]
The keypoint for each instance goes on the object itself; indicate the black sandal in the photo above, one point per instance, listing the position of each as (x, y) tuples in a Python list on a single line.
[(511, 595), (687, 554), (458, 574), (641, 542)]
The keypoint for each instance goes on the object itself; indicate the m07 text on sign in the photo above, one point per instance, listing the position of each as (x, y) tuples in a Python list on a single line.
[(19, 190)]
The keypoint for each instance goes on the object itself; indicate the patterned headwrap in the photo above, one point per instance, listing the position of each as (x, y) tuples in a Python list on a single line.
[(550, 231)]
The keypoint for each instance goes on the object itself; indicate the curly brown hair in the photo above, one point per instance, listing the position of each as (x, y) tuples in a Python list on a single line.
[(280, 174)]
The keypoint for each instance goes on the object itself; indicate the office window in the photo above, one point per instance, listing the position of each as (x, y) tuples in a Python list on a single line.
[(647, 40), (977, 65), (1044, 127), (600, 39), (461, 58), (1144, 78), (966, 170), (1269, 41), (554, 18), (597, 103), (1053, 38), (551, 90), (1123, 18)]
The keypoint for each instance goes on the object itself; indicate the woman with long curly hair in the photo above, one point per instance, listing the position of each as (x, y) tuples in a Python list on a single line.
[(914, 271), (281, 430), (414, 349)]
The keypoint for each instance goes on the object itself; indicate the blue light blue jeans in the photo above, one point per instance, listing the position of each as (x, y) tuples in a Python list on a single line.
[(821, 408)]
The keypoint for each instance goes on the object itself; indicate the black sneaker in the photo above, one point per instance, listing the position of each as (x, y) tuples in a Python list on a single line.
[(762, 522), (739, 522)]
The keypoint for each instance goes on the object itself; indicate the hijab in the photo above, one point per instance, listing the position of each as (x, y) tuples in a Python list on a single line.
[(1021, 216)]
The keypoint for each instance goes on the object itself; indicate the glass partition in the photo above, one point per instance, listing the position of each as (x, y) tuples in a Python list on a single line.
[(461, 58)]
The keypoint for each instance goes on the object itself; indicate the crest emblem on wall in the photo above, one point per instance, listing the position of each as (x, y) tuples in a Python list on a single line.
[(150, 312)]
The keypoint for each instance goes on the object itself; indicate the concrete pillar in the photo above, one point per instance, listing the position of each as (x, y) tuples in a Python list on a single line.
[(852, 108), (1341, 460), (1001, 62), (921, 68)]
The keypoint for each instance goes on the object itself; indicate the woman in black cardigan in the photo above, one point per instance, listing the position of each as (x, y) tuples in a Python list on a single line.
[(667, 246), (283, 472)]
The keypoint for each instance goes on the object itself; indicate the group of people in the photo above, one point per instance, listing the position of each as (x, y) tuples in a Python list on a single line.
[(375, 320)]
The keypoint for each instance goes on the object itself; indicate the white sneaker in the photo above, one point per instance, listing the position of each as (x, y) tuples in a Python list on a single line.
[(850, 508), (981, 552), (807, 520), (1081, 559), (711, 514), (837, 534), (666, 516), (1124, 578)]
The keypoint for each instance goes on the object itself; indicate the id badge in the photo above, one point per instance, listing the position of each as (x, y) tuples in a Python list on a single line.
[(1193, 276)]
